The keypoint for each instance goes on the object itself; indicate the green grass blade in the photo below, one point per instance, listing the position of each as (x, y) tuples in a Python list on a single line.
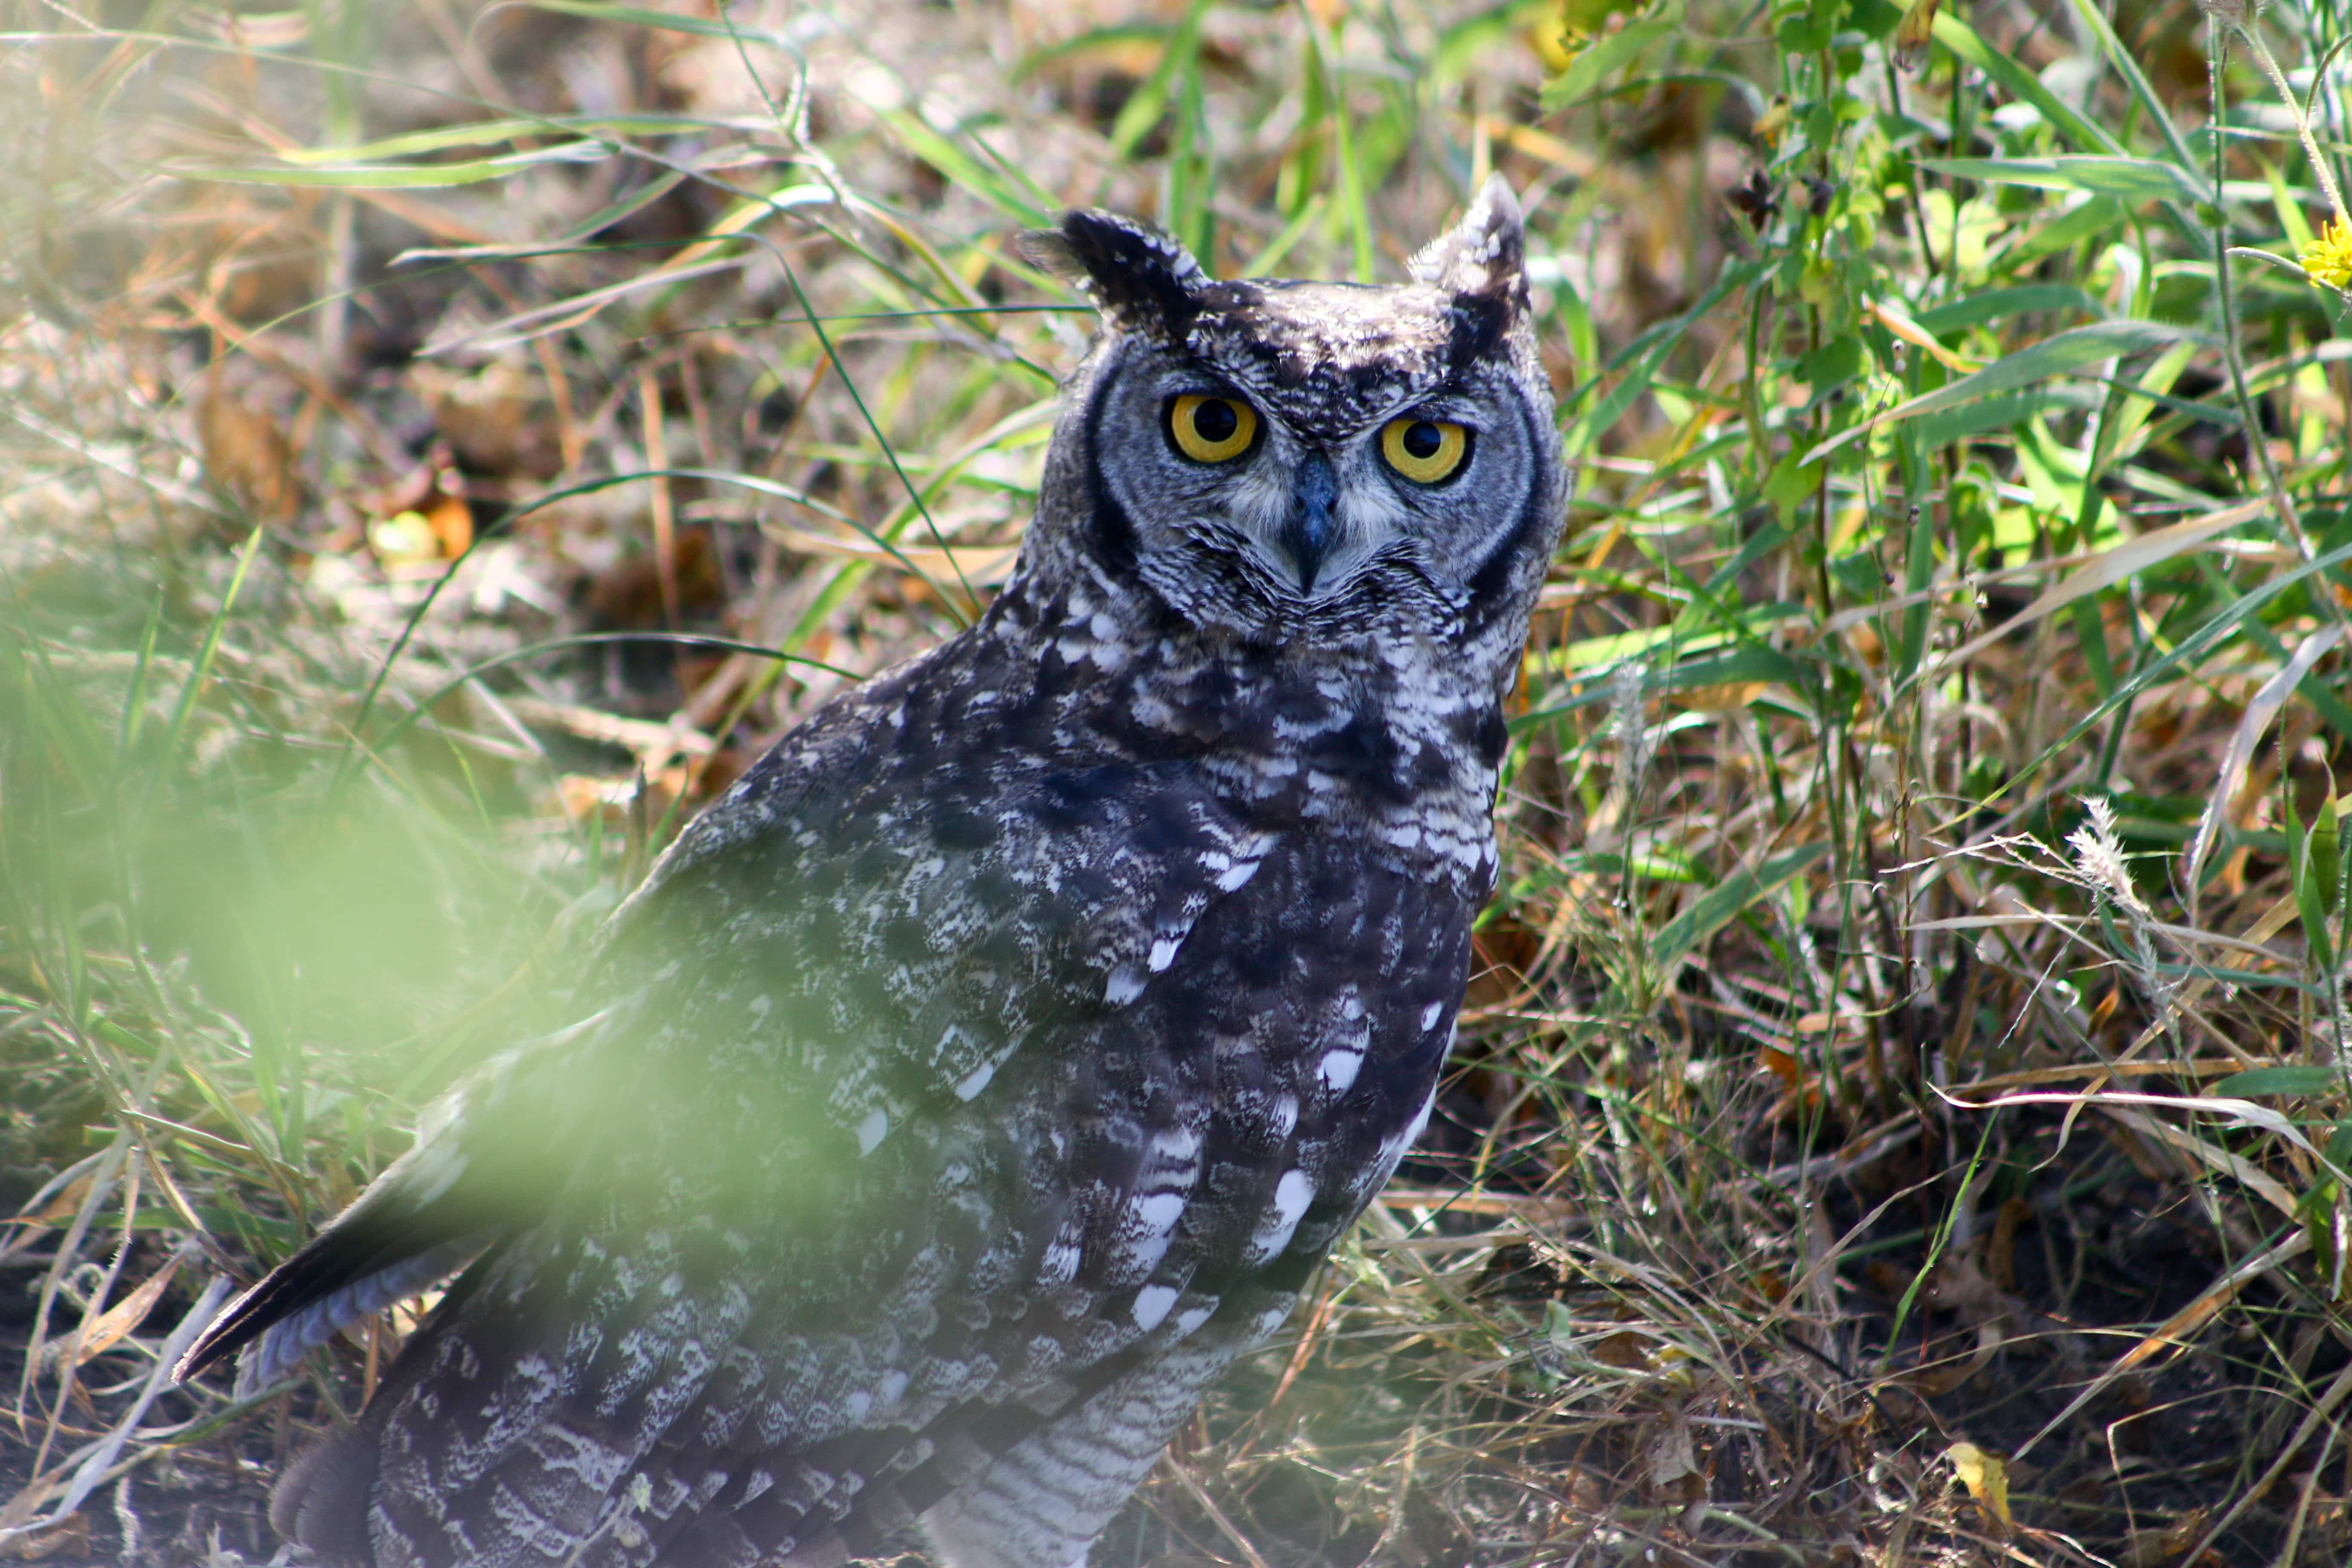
[(2065, 352), (1723, 903), (2127, 179), (1143, 108), (201, 667)]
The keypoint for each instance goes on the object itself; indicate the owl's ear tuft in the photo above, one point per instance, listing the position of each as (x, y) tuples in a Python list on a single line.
[(1482, 262), (1141, 279)]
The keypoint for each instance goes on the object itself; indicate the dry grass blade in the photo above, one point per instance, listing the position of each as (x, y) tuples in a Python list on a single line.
[(2119, 564), (1208, 1505), (69, 1251), (2174, 1332), (2320, 1411), (92, 1466), (2219, 1159), (2263, 708)]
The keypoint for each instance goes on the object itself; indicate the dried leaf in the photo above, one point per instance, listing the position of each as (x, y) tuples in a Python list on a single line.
[(104, 1332), (1670, 1460), (1729, 697), (248, 456), (2000, 1246), (977, 563), (628, 595), (1944, 1377), (619, 800), (1914, 33), (1986, 1475), (2161, 1546), (422, 516), (488, 418), (26, 1504), (63, 1205), (655, 744), (2110, 567), (70, 1534)]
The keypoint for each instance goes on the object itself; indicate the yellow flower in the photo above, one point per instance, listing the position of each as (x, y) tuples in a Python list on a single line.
[(2327, 261)]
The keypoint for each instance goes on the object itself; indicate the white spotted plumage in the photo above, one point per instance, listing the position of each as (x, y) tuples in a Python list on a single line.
[(996, 1060)]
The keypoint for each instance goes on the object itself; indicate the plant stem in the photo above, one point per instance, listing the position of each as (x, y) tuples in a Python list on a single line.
[(2302, 120), (2258, 452)]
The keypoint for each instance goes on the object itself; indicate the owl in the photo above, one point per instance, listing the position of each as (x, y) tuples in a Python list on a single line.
[(997, 1059)]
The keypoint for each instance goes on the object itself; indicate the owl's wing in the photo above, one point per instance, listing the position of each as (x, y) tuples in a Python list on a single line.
[(759, 1205), (481, 1160)]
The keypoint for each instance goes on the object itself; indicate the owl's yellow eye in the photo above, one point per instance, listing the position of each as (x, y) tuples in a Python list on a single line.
[(1211, 429), (1424, 450)]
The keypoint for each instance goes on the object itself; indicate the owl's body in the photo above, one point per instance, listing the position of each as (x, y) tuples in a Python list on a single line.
[(995, 1062)]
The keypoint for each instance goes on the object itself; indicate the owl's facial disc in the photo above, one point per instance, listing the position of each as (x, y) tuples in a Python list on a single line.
[(1424, 475), (1263, 446)]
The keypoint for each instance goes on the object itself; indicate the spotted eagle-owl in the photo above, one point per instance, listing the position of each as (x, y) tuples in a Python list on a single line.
[(995, 1061)]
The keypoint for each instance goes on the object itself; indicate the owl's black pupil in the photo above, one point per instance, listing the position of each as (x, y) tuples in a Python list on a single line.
[(1422, 439), (1214, 420)]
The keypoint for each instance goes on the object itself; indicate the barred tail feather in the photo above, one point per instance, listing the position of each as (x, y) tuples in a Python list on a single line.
[(273, 1352), (417, 1223)]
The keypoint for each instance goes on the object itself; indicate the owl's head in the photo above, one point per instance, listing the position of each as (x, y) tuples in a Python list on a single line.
[(1273, 456)]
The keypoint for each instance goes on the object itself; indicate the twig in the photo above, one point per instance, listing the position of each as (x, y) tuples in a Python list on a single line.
[(1217, 1515)]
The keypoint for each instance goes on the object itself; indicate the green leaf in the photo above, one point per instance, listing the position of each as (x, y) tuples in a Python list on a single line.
[(1600, 653), (2099, 218), (2127, 179), (1995, 304), (2312, 892), (2023, 84), (1792, 483), (1463, 46), (1647, 354), (200, 669), (1595, 65), (1874, 18), (1836, 361), (2288, 207), (1739, 666), (2280, 1080), (2153, 108), (1803, 33), (2326, 852), (962, 169), (2001, 413)]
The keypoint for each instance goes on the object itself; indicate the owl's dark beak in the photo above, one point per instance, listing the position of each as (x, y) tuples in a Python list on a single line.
[(1306, 537)]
